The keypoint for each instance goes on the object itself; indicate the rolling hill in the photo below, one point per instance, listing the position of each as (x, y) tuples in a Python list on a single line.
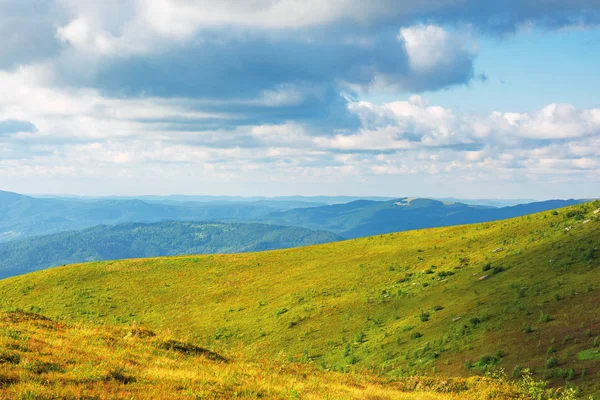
[(448, 302), (366, 218), (134, 240), (25, 216)]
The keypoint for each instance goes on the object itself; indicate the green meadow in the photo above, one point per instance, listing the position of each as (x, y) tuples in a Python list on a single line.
[(515, 295)]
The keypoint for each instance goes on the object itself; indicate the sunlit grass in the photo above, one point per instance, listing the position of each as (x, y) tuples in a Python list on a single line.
[(495, 295), (44, 359)]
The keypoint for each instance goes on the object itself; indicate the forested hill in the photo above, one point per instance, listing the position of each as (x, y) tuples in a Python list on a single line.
[(133, 240), (366, 218)]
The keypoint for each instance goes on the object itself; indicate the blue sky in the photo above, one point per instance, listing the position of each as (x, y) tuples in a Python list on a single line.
[(525, 71), (433, 98)]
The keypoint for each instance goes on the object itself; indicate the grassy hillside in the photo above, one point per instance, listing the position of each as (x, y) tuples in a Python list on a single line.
[(365, 218), (133, 240), (44, 359), (455, 301)]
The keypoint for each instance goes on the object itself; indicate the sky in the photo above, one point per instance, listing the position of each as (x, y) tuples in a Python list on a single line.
[(436, 98)]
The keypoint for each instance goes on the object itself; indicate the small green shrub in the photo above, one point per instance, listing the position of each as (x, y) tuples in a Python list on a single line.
[(424, 317), (119, 375), (497, 269), (40, 367), (545, 317), (570, 374), (6, 380), (485, 362), (360, 337), (189, 349), (517, 371), (577, 214), (347, 350), (551, 362), (10, 358), (500, 354), (416, 335)]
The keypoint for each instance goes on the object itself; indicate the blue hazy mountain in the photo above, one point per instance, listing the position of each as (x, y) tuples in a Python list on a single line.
[(365, 218), (135, 240), (23, 216)]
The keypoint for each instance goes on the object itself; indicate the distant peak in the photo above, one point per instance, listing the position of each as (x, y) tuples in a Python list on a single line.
[(408, 201)]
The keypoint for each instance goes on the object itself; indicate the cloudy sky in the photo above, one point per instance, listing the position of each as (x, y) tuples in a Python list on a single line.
[(464, 98)]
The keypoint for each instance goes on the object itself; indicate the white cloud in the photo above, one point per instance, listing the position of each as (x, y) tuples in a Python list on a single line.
[(289, 134), (82, 133), (141, 21), (80, 34), (555, 121), (430, 47), (180, 19)]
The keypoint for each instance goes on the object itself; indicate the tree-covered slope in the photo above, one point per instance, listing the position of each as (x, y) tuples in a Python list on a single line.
[(365, 218), (453, 301), (134, 240), (24, 216)]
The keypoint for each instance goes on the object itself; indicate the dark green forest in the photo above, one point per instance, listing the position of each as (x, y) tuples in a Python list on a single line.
[(136, 240)]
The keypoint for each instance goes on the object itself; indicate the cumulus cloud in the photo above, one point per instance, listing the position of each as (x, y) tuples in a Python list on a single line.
[(438, 126), (80, 35), (86, 134), (555, 121), (183, 19), (233, 90), (278, 60)]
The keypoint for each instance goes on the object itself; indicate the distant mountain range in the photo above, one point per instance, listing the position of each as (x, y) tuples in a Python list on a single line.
[(39, 233), (23, 216), (135, 240), (300, 201), (283, 201), (365, 218)]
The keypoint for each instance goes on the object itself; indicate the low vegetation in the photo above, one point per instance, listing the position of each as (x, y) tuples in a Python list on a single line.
[(376, 307), (53, 360)]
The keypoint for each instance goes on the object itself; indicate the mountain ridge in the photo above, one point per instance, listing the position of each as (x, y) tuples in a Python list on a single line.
[(135, 239), (358, 219)]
